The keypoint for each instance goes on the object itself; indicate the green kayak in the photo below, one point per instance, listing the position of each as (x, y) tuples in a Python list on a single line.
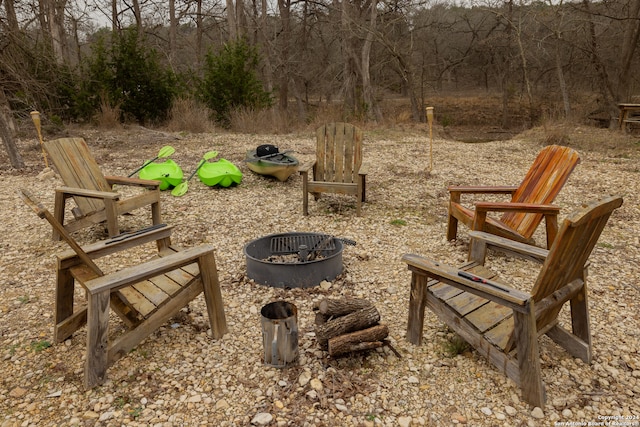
[(168, 173), (222, 173)]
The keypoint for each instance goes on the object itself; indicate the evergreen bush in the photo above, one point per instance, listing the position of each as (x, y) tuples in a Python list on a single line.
[(126, 75), (230, 81)]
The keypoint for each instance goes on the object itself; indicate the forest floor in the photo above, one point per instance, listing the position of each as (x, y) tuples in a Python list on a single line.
[(180, 376)]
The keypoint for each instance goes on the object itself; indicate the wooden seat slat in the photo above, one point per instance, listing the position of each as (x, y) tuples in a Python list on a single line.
[(443, 291), (180, 276), (465, 302), (501, 334), (168, 284), (488, 315), (138, 301)]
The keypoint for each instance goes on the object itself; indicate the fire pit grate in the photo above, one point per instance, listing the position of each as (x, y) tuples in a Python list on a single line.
[(307, 267), (293, 244)]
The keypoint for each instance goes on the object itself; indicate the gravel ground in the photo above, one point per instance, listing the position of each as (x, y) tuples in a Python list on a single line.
[(180, 376)]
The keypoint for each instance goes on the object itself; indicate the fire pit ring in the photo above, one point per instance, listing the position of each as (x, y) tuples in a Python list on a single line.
[(305, 271)]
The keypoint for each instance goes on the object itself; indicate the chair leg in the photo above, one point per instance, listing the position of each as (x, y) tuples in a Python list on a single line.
[(95, 367), (64, 303), (417, 304), (111, 211), (212, 295), (156, 216), (580, 319), (529, 357), (305, 195), (578, 343), (452, 228)]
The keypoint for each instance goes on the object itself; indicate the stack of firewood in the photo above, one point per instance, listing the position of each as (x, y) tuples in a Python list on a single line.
[(347, 325)]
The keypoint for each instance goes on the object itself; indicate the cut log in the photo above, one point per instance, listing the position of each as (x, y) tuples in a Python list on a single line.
[(342, 306), (358, 340), (321, 318), (369, 345), (355, 321)]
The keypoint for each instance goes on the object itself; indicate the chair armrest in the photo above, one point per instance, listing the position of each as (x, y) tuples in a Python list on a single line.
[(136, 182), (517, 207), (364, 169), (147, 270), (94, 194), (472, 189), (488, 289), (511, 247), (116, 244), (305, 167)]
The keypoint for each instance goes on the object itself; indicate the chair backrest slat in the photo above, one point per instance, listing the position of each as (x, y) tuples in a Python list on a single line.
[(570, 251), (542, 183), (78, 169), (338, 153)]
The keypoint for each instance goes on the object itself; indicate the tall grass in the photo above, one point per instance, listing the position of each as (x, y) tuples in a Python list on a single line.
[(272, 120), (109, 117), (187, 115)]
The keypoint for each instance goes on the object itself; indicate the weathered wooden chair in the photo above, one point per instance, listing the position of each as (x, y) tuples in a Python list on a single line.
[(93, 193), (502, 323), (144, 296), (338, 166), (530, 201)]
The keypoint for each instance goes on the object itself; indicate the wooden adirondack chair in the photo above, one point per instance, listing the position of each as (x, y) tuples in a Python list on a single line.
[(530, 201), (338, 166), (92, 191), (502, 323), (144, 296)]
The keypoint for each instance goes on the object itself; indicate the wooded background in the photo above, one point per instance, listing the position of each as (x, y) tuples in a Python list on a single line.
[(352, 54)]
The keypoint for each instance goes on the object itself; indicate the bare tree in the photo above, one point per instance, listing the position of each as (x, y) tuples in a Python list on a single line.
[(232, 25), (628, 50), (6, 134)]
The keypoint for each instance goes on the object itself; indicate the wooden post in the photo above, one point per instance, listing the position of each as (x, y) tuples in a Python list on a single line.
[(35, 116), (430, 121)]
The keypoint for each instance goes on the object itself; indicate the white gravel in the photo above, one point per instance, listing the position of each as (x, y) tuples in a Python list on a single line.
[(180, 376)]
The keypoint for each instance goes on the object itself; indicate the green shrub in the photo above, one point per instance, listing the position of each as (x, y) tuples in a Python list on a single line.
[(127, 75), (230, 81)]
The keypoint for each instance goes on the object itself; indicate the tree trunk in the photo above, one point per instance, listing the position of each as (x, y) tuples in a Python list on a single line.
[(114, 16), (604, 87), (12, 19), (562, 83), (372, 112), (199, 31), (284, 7), (137, 13), (525, 76), (627, 52), (173, 25), (5, 133), (349, 74), (231, 21)]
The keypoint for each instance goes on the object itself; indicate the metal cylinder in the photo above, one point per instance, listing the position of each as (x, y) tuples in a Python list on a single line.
[(280, 334)]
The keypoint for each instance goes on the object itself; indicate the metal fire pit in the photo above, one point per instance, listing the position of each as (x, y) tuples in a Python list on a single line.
[(312, 258)]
